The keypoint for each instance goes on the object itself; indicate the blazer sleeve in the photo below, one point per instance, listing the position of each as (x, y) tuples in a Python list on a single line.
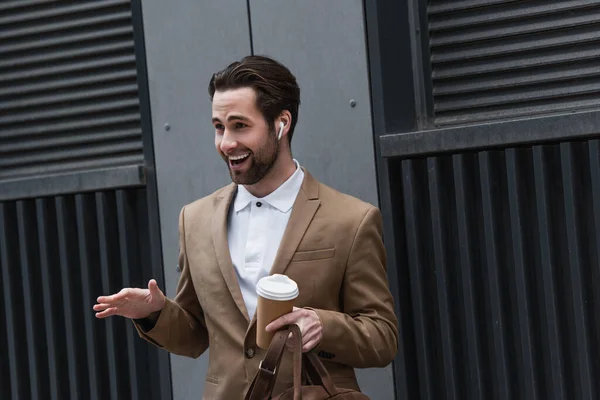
[(365, 333), (180, 327)]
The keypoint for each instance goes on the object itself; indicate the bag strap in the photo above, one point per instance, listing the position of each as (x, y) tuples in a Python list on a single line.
[(264, 381), (318, 374)]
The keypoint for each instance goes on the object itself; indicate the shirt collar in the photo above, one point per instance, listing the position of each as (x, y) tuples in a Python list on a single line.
[(282, 198)]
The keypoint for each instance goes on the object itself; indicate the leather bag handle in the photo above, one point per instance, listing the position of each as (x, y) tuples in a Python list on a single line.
[(264, 381)]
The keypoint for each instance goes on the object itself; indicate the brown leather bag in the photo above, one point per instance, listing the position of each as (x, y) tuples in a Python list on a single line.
[(321, 385)]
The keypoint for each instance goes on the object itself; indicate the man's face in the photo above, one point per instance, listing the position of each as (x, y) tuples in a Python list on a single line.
[(242, 136)]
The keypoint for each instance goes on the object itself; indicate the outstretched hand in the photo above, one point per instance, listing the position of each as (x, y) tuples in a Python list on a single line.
[(309, 323), (131, 302)]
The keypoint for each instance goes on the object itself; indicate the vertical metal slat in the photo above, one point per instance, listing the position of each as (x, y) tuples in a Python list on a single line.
[(594, 158), (17, 373), (127, 245), (27, 272), (492, 276), (527, 374), (50, 302), (68, 297), (584, 386), (442, 281), (552, 325), (84, 230), (418, 294), (105, 267), (474, 364)]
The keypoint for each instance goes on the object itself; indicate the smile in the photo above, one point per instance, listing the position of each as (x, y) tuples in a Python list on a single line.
[(239, 158), (236, 162)]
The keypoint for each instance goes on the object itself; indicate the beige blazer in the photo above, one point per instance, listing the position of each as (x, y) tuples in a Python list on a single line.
[(332, 247)]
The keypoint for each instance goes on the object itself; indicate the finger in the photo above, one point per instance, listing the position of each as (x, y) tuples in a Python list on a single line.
[(115, 297), (282, 321), (107, 313), (153, 286), (309, 346), (101, 307)]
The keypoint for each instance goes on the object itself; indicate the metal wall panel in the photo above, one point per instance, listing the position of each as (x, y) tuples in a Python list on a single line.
[(494, 60), (202, 38), (501, 251), (56, 256), (68, 89)]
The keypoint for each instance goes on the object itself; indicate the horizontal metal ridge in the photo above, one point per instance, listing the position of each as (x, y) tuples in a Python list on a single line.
[(20, 4), (106, 161), (70, 139), (510, 97), (71, 111), (61, 9), (76, 95), (122, 17), (538, 129), (111, 62), (506, 12), (519, 78), (518, 111), (67, 153), (25, 88), (517, 27), (444, 6), (520, 62), (554, 40), (74, 124), (101, 35), (78, 182), (67, 54)]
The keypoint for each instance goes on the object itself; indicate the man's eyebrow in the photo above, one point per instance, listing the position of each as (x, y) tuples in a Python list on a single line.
[(238, 118), (232, 118)]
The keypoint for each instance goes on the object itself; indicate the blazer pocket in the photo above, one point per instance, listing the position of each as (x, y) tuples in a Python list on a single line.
[(313, 255)]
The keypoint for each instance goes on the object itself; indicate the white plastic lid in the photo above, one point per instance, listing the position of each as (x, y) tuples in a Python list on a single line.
[(277, 287)]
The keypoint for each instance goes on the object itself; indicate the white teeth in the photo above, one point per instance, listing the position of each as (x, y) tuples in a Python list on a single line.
[(241, 157)]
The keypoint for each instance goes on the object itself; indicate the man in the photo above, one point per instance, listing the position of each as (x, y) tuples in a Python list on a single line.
[(274, 218)]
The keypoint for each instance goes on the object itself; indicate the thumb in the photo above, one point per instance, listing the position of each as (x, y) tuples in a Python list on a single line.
[(153, 287)]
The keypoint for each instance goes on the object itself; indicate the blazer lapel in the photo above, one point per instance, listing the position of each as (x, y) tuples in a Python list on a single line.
[(221, 245), (306, 205)]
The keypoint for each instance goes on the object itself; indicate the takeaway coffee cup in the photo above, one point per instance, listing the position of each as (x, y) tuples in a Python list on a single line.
[(276, 294)]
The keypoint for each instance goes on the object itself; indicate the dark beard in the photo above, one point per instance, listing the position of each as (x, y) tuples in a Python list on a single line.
[(262, 162)]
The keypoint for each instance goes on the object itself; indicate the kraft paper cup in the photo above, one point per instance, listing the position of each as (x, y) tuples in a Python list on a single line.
[(276, 294)]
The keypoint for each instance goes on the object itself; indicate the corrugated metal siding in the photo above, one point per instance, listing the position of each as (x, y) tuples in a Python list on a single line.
[(500, 59), (56, 256), (68, 88), (502, 251)]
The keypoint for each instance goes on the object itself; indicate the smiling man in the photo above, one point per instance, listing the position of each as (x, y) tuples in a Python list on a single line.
[(274, 218)]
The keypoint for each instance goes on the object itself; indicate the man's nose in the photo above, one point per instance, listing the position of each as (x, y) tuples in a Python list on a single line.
[(228, 142)]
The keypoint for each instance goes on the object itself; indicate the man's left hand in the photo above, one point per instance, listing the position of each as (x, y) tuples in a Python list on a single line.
[(309, 323)]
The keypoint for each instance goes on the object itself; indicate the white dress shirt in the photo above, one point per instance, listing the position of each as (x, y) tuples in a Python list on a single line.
[(254, 231)]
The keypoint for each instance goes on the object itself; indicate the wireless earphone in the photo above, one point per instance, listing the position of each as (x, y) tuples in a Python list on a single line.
[(281, 125)]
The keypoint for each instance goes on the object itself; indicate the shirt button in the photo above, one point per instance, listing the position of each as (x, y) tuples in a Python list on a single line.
[(258, 204), (250, 352)]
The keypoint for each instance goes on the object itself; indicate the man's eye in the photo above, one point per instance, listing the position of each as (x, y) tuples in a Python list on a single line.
[(219, 127), (239, 125)]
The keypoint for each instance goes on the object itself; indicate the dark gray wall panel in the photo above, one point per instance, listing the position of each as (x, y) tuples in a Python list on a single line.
[(502, 260), (496, 60), (323, 43), (57, 254), (68, 89), (186, 42)]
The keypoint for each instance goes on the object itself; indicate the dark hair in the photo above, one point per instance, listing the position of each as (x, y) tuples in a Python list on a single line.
[(275, 86)]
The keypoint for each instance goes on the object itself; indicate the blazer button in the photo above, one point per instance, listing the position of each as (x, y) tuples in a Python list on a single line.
[(250, 352)]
